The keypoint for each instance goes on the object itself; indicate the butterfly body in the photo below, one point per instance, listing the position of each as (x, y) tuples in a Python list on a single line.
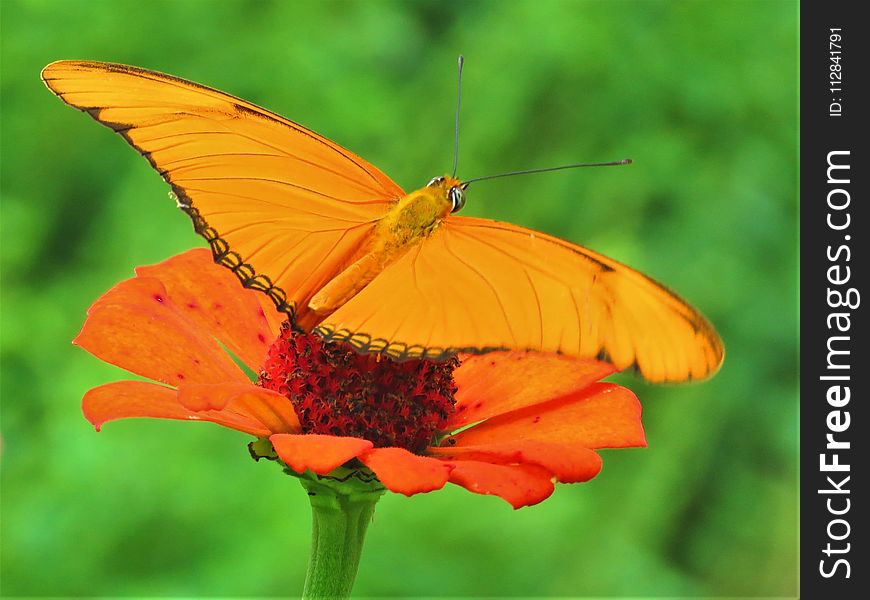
[(346, 253), (409, 222)]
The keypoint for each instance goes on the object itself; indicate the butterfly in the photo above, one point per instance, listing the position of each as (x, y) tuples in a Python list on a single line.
[(345, 252)]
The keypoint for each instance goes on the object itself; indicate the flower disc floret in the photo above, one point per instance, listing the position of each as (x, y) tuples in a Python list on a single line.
[(336, 391)]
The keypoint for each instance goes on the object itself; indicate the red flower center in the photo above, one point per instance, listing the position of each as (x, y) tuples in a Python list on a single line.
[(336, 391)]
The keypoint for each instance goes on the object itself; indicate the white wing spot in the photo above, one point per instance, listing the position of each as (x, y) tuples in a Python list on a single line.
[(178, 202)]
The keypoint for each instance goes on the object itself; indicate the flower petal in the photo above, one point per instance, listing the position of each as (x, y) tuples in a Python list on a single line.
[(272, 410), (406, 473), (603, 415), (570, 464), (212, 296), (320, 453), (126, 399), (499, 382), (273, 316), (137, 327), (520, 485)]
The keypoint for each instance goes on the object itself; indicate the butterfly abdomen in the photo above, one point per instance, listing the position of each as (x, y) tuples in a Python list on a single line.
[(407, 224)]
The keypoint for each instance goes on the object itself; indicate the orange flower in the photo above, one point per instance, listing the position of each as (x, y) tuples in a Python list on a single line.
[(503, 423)]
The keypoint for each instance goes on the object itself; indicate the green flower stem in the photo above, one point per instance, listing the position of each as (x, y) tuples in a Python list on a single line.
[(341, 514)]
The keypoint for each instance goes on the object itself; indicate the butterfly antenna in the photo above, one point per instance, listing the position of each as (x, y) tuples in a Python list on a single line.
[(625, 161), (456, 129)]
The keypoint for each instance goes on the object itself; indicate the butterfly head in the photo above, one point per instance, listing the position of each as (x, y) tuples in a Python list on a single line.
[(453, 190)]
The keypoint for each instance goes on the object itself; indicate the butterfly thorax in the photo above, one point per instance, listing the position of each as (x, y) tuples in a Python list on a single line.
[(410, 221)]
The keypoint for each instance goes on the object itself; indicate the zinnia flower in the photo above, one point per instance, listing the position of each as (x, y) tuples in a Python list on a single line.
[(504, 423)]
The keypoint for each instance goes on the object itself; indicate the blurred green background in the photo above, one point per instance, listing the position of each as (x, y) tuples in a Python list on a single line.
[(702, 95)]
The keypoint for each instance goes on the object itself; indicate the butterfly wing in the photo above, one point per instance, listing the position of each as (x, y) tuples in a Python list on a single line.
[(283, 207), (477, 285)]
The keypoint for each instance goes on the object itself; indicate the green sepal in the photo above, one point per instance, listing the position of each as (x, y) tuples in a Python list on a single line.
[(262, 448)]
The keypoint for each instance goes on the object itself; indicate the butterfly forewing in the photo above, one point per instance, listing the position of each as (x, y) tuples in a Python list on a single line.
[(284, 207), (478, 284)]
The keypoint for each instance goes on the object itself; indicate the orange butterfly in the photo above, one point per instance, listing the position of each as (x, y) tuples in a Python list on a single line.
[(342, 249)]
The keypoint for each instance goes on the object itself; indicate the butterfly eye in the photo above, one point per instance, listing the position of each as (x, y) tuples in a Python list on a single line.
[(434, 181), (457, 197)]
